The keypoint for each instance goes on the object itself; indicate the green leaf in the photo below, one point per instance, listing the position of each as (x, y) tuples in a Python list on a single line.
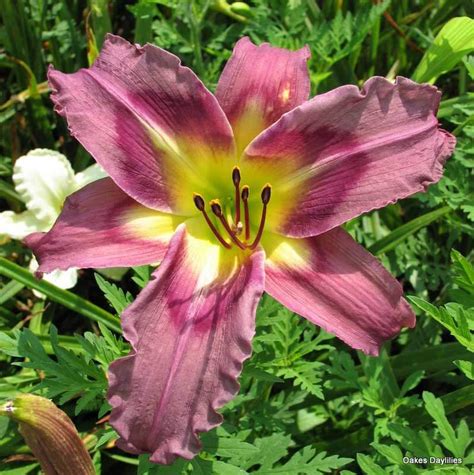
[(467, 367), (452, 316), (64, 297), (368, 466), (391, 452), (117, 298), (305, 374), (359, 439), (6, 190), (261, 375), (142, 275), (270, 450), (411, 382), (305, 462), (26, 469), (307, 419), (335, 39), (144, 12), (464, 271), (414, 441), (68, 375), (394, 455), (10, 290), (9, 343), (227, 447), (435, 408), (145, 467), (453, 42), (469, 63), (105, 438), (448, 107), (223, 468), (398, 235)]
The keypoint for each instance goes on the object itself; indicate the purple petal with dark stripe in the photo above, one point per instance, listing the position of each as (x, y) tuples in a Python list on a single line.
[(190, 336), (101, 226), (349, 151), (336, 284), (144, 118), (259, 84)]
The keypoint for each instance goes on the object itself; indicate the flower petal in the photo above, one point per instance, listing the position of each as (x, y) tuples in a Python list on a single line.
[(259, 84), (43, 178), (150, 122), (18, 226), (90, 174), (347, 152), (191, 328), (64, 279), (336, 284), (101, 226)]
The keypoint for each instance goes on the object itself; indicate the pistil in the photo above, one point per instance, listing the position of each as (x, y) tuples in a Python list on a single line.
[(201, 206), (236, 181), (245, 199), (217, 210)]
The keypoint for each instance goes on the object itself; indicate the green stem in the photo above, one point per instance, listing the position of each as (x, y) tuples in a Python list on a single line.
[(10, 290), (63, 297), (196, 40), (223, 7)]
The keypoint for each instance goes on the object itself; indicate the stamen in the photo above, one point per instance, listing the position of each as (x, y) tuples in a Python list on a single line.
[(217, 210), (235, 229), (199, 202), (266, 195), (200, 205), (236, 180), (245, 199)]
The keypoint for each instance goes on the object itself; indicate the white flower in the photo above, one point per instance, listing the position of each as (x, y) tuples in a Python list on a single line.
[(44, 178)]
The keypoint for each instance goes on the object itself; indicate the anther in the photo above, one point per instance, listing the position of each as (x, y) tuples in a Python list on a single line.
[(245, 199), (201, 205), (199, 202), (266, 195), (217, 210), (236, 180), (236, 176)]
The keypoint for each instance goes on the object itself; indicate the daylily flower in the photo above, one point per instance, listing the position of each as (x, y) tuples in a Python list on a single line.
[(235, 194), (44, 178)]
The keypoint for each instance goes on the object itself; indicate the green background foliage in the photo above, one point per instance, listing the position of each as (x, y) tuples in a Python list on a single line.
[(308, 404)]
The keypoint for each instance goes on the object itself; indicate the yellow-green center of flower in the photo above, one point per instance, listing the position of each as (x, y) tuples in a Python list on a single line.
[(237, 231)]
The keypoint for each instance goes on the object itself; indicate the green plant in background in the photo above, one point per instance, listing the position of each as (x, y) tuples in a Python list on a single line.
[(307, 404)]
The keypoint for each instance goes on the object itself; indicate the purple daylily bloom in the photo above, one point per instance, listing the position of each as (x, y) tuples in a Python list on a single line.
[(235, 194)]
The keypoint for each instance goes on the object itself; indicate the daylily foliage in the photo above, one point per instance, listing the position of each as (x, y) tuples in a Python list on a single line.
[(236, 194)]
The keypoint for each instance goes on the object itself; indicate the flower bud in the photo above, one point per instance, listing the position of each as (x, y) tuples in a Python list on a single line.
[(50, 434), (241, 8)]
